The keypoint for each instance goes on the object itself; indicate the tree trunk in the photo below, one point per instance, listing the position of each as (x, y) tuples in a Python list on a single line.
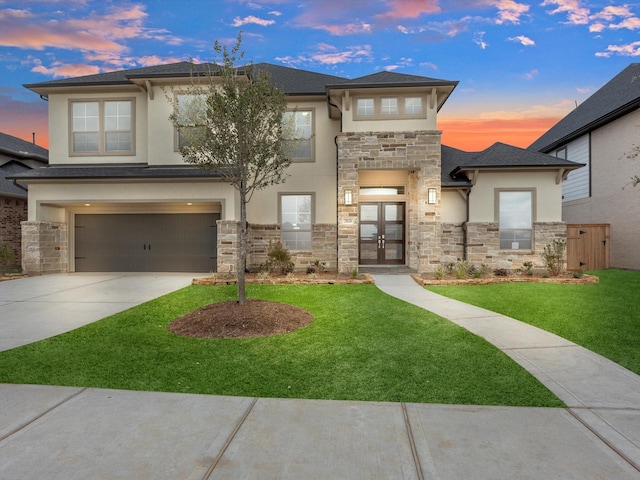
[(242, 251)]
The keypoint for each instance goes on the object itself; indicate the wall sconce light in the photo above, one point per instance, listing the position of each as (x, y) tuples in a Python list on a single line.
[(348, 197), (432, 198)]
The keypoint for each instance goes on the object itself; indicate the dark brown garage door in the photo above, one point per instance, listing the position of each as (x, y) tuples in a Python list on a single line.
[(146, 242)]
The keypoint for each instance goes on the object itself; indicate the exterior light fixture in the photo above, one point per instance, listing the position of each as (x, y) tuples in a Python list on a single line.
[(432, 196), (348, 197), (87, 204)]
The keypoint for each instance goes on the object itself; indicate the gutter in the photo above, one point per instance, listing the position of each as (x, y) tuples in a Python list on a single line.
[(15, 182)]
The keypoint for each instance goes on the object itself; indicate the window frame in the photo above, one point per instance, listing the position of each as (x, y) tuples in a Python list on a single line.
[(312, 207), (176, 105), (312, 138), (533, 192), (102, 141), (401, 107)]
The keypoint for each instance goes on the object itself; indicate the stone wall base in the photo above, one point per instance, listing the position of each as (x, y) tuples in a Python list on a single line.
[(323, 246), (44, 247), (483, 244)]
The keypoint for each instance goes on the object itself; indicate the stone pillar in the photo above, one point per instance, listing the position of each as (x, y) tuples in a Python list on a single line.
[(44, 247), (228, 245), (419, 153)]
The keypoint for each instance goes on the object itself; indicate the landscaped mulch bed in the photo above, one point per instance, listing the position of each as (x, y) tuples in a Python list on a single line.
[(295, 278), (566, 278)]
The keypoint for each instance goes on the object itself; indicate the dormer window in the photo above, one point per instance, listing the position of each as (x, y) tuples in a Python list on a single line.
[(386, 108)]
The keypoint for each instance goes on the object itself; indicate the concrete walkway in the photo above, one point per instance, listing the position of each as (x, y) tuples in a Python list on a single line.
[(76, 433)]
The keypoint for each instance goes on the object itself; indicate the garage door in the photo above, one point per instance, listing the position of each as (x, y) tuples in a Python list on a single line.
[(146, 242)]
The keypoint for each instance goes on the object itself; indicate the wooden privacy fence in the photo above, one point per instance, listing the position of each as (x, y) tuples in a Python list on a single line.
[(588, 246)]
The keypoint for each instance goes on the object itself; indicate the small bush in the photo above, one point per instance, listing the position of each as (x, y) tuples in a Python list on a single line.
[(279, 259), (6, 256), (526, 269), (320, 266), (463, 269), (440, 272), (553, 257), (501, 272), (310, 270)]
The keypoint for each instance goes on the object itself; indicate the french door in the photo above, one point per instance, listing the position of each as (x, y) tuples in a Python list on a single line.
[(382, 235)]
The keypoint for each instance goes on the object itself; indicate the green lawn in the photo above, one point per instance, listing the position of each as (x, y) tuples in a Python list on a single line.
[(603, 317), (362, 345)]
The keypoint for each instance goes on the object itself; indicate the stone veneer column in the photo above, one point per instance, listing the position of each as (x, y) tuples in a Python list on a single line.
[(44, 247), (419, 153), (228, 245)]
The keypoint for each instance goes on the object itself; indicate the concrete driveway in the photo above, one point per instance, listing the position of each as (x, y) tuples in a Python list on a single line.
[(35, 308)]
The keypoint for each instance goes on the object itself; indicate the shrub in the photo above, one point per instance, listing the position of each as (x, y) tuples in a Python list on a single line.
[(553, 257), (6, 256), (440, 272), (320, 266), (463, 269), (310, 270), (279, 259), (526, 269), (501, 272)]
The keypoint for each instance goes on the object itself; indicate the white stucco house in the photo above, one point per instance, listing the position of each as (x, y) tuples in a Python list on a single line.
[(601, 133), (372, 184)]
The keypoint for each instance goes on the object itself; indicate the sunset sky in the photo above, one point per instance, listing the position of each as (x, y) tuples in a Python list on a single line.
[(522, 65)]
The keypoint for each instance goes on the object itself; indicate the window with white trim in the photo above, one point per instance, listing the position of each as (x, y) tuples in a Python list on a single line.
[(365, 107), (515, 218), (302, 146), (296, 220), (102, 127)]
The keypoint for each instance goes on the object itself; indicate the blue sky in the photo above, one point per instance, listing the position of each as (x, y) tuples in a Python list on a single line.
[(522, 65)]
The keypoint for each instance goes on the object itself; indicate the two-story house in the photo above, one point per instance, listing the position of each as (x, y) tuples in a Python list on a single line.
[(371, 183), (603, 133)]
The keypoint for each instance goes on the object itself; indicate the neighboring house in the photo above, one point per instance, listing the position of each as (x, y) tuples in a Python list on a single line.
[(601, 133), (16, 157), (369, 185)]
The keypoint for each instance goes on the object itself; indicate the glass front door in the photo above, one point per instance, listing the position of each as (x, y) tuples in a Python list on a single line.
[(382, 233)]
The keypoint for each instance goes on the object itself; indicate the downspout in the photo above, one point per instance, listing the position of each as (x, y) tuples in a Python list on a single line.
[(335, 141), (15, 182), (465, 240)]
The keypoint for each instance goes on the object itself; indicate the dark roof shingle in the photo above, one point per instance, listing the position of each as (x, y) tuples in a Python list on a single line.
[(18, 148)]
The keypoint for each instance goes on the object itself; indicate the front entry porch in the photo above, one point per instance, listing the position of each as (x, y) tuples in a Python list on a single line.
[(382, 233)]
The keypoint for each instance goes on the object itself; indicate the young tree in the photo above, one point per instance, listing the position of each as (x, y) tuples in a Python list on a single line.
[(232, 122)]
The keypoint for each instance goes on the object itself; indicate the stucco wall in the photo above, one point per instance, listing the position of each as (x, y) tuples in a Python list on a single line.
[(548, 194)]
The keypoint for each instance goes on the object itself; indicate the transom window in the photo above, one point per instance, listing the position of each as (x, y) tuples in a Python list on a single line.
[(400, 107), (516, 219), (102, 127), (296, 221), (301, 147)]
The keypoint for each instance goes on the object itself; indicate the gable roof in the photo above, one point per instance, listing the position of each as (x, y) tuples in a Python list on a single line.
[(16, 147), (387, 79), (498, 156), (615, 99)]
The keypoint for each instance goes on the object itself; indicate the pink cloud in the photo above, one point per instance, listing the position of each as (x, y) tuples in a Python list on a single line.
[(346, 29), (409, 9), (509, 11), (576, 13), (626, 50), (69, 70)]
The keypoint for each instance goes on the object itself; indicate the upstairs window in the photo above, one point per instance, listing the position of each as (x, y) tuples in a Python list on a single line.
[(389, 106), (365, 107), (301, 147), (191, 118), (102, 127), (386, 108)]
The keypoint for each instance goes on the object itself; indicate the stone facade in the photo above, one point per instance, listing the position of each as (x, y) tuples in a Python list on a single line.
[(13, 211), (483, 241), (44, 247), (418, 153)]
